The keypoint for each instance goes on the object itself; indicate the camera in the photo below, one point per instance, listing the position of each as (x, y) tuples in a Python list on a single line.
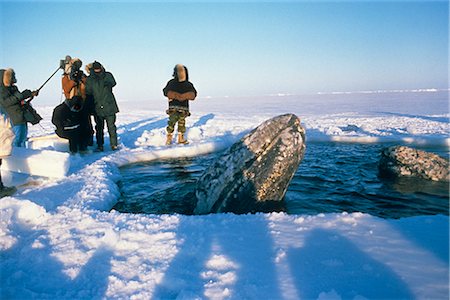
[(75, 73)]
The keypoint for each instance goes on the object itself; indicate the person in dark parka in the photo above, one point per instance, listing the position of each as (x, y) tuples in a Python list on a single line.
[(12, 101), (99, 85), (179, 91), (69, 121)]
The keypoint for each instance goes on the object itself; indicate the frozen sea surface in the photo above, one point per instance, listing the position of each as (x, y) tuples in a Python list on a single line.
[(59, 239)]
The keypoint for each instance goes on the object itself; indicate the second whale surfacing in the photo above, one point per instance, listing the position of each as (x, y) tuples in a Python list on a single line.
[(254, 173)]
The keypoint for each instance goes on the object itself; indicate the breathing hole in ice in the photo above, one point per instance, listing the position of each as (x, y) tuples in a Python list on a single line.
[(161, 187), (333, 177)]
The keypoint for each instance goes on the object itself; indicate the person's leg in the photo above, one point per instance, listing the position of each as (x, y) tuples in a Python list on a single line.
[(90, 134), (25, 134), (112, 130), (182, 124), (17, 133), (20, 132), (5, 190), (83, 141), (182, 129), (73, 145), (99, 126), (85, 132), (1, 182), (173, 118)]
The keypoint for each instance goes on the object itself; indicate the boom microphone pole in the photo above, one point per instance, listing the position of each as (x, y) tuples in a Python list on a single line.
[(62, 63), (48, 79)]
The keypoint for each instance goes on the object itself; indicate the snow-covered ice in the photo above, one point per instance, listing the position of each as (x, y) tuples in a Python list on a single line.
[(36, 162), (58, 239)]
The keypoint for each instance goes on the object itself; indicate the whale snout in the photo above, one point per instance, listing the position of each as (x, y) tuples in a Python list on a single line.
[(255, 172)]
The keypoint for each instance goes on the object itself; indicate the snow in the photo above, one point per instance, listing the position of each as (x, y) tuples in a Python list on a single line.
[(59, 240)]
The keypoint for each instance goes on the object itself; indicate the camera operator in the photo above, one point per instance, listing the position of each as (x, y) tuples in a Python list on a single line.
[(74, 87), (73, 81)]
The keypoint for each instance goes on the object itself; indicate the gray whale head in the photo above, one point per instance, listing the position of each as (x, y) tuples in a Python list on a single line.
[(399, 161), (255, 171)]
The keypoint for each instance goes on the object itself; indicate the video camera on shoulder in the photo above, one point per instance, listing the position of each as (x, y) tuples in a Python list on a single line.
[(75, 73)]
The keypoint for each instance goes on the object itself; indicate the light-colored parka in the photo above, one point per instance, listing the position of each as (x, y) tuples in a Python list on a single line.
[(6, 132)]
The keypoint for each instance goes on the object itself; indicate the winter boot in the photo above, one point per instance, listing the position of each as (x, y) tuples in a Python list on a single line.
[(169, 139), (6, 190), (181, 139)]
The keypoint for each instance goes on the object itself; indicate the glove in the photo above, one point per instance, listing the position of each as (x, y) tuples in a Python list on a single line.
[(35, 93), (27, 94)]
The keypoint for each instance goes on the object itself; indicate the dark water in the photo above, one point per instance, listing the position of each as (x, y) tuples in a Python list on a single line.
[(331, 178)]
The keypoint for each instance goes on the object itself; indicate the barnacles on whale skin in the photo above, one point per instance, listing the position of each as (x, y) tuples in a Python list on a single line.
[(254, 171), (405, 161)]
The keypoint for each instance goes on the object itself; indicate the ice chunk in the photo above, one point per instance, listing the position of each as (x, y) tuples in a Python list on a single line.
[(45, 163), (50, 141)]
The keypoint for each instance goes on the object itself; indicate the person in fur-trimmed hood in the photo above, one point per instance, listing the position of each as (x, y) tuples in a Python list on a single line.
[(74, 86), (179, 91), (11, 116), (11, 102), (6, 141)]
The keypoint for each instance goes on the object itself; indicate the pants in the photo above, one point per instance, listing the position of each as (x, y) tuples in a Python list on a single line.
[(112, 130), (77, 142), (175, 117), (77, 139), (21, 132), (1, 183), (90, 135)]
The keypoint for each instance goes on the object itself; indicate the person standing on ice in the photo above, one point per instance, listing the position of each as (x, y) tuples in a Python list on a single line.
[(99, 85), (11, 102), (6, 141), (74, 88), (6, 136), (179, 91)]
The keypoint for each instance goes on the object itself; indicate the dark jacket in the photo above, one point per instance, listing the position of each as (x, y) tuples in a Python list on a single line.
[(99, 86), (181, 88), (10, 99), (68, 117)]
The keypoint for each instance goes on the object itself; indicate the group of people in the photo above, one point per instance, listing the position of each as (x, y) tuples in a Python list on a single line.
[(85, 96)]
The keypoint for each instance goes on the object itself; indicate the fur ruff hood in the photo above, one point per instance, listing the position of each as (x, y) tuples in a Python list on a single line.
[(89, 68), (8, 77), (68, 67), (180, 73)]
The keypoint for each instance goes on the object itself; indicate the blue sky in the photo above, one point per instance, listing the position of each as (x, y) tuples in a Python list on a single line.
[(232, 48)]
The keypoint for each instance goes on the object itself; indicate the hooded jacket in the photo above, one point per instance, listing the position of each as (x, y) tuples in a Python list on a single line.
[(68, 118), (10, 97), (180, 84), (99, 86)]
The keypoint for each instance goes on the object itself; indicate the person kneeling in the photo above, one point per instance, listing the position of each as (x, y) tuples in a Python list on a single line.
[(68, 119)]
